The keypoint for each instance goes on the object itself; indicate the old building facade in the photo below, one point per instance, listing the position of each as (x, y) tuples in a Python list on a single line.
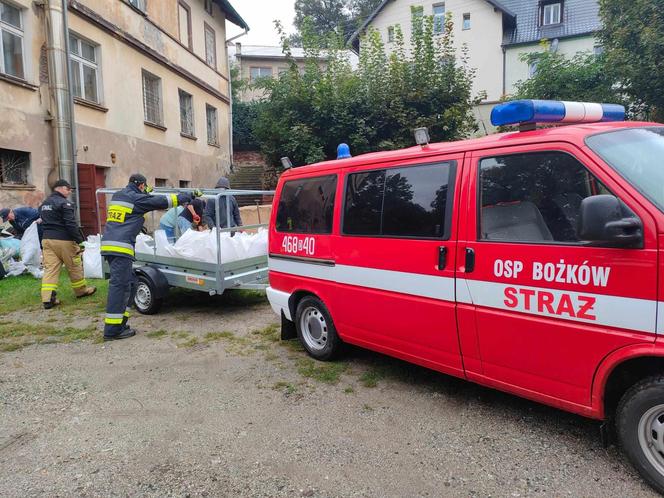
[(150, 85)]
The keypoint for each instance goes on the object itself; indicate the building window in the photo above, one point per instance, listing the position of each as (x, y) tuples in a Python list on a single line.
[(208, 6), (139, 4), (185, 184), (84, 68), (152, 101), (551, 13), (210, 47), (259, 72), (184, 23), (161, 182), (307, 206), (14, 166), (212, 127), (11, 27), (438, 18), (390, 34), (186, 114), (466, 21)]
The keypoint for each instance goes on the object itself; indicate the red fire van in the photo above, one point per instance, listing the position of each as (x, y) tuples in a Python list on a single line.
[(526, 261)]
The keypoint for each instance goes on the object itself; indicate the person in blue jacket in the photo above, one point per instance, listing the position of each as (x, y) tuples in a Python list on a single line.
[(20, 219)]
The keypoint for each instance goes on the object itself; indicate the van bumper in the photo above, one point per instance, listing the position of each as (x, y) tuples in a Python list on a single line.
[(279, 302)]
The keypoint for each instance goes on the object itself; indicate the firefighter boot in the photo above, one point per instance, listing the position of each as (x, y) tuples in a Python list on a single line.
[(53, 302)]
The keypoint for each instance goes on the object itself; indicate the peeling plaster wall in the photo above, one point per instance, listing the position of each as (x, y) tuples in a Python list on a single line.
[(116, 126)]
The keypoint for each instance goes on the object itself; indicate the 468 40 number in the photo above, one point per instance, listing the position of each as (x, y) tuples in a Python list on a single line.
[(293, 245)]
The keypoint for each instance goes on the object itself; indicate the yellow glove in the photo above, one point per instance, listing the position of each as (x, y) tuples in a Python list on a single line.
[(197, 193), (148, 189)]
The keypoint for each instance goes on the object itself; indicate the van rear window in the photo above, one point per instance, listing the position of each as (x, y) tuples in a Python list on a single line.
[(307, 205), (399, 202)]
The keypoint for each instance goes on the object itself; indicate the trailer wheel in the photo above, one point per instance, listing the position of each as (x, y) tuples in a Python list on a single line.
[(144, 299), (640, 426), (316, 330)]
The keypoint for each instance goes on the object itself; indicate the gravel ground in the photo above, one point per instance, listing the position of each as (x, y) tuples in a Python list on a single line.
[(176, 412)]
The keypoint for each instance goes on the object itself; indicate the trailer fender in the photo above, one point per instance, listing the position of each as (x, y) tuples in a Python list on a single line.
[(161, 286)]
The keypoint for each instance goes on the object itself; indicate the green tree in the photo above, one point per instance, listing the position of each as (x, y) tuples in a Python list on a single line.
[(331, 16), (582, 77), (306, 114), (633, 40)]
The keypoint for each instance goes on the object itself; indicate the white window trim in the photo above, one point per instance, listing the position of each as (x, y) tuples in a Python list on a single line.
[(160, 106), (17, 32), (94, 65), (550, 8), (251, 78)]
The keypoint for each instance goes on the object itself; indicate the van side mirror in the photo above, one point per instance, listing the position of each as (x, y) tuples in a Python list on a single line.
[(605, 221)]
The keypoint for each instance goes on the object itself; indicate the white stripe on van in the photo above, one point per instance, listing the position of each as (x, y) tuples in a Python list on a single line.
[(622, 312)]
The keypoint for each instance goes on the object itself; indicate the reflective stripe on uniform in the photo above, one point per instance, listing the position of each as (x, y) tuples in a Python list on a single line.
[(49, 287), (114, 318), (127, 207), (78, 284), (117, 247), (172, 200), (126, 314)]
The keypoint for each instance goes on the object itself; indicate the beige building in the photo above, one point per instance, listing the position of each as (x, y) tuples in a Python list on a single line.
[(150, 85), (495, 33)]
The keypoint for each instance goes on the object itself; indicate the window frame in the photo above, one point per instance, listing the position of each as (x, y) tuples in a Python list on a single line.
[(478, 195), (184, 133), (209, 29), (207, 126), (85, 62), (252, 79), (543, 8), (390, 34), (28, 165), (185, 6), (18, 32), (465, 17), (442, 16), (145, 73), (449, 203), (323, 174), (209, 7)]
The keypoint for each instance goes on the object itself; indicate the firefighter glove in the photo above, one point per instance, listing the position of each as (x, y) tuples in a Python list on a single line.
[(197, 193)]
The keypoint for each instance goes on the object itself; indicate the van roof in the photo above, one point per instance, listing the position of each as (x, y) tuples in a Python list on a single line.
[(571, 133)]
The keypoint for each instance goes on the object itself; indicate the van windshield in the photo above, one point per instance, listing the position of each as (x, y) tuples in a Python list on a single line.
[(637, 154)]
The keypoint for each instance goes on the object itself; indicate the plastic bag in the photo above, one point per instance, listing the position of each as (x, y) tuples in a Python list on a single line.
[(258, 246), (30, 248), (92, 257), (15, 268), (164, 247), (144, 244), (11, 246)]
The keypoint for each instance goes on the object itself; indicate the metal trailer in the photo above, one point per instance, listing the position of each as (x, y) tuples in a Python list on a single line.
[(156, 274)]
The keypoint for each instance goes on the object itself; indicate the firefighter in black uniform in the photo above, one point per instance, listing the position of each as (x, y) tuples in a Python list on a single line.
[(125, 220)]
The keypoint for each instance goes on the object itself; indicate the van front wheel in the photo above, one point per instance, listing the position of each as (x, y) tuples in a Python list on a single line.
[(640, 426), (316, 330)]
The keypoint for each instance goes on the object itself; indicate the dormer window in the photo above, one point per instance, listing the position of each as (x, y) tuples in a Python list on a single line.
[(551, 13)]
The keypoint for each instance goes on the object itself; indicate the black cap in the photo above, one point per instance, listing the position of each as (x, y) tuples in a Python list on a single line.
[(61, 183), (4, 214), (137, 178)]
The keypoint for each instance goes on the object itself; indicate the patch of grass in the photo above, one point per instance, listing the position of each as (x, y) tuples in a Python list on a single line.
[(328, 373), (14, 336), (349, 390), (181, 335), (367, 408), (371, 377), (294, 345), (218, 336), (189, 344), (270, 333), (12, 346), (287, 387), (156, 334), (23, 293)]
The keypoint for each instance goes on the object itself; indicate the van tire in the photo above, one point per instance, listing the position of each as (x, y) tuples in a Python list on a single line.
[(145, 296), (316, 330), (638, 418)]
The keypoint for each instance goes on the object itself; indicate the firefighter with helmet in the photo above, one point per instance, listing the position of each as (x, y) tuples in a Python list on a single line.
[(125, 219)]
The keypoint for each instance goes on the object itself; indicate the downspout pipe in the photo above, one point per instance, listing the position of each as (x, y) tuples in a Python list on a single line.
[(230, 97), (62, 102)]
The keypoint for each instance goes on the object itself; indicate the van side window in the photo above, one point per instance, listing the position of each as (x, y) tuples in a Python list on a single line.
[(534, 197), (399, 202), (307, 205)]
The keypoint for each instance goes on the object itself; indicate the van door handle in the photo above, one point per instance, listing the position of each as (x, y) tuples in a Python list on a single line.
[(442, 257), (470, 260)]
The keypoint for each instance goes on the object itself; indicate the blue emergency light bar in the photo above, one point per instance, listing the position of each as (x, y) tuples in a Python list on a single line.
[(554, 111)]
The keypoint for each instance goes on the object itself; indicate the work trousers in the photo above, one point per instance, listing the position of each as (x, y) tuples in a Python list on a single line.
[(57, 253), (121, 290)]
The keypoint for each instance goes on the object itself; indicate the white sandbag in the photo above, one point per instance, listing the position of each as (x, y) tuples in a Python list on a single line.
[(231, 250), (258, 245), (144, 244), (15, 268), (164, 248), (196, 246), (92, 257), (30, 249)]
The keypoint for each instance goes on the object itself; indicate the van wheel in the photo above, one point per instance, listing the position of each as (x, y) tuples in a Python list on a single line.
[(316, 330), (144, 298), (640, 424)]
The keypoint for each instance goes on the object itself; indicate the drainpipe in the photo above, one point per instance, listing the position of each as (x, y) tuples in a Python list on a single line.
[(230, 95), (62, 102)]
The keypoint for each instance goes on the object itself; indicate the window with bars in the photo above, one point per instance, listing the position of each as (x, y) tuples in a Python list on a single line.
[(14, 167), (438, 18), (210, 47), (185, 183), (84, 68), (186, 113), (11, 41), (152, 101), (212, 127)]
